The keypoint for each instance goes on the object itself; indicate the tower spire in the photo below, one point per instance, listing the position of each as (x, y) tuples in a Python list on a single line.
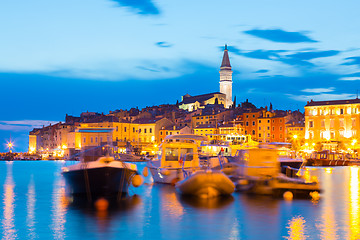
[(225, 64), (226, 78)]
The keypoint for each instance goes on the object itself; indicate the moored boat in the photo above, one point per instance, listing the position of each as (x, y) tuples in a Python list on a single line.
[(99, 175), (206, 184), (178, 153), (328, 158)]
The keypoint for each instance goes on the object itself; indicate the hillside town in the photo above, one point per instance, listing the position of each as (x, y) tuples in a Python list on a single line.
[(331, 125)]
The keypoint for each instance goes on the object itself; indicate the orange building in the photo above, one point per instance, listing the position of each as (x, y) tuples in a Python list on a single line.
[(251, 124)]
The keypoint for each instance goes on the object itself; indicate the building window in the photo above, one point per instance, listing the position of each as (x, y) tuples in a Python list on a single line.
[(273, 128), (133, 129), (144, 130), (150, 130), (268, 128), (268, 121), (100, 139), (353, 122), (259, 135), (84, 139), (253, 116), (96, 139), (341, 111), (311, 135), (341, 133), (332, 123), (124, 129), (311, 124), (341, 122), (259, 121), (332, 135), (91, 139), (253, 123), (259, 128), (273, 136), (245, 132), (253, 132), (117, 128), (280, 135), (280, 128), (247, 123), (247, 116)]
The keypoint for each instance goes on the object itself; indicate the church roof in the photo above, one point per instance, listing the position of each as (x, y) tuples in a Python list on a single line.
[(225, 61), (199, 98)]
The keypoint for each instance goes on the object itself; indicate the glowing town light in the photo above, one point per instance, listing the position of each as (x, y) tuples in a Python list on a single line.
[(353, 142), (64, 146), (10, 145), (295, 136)]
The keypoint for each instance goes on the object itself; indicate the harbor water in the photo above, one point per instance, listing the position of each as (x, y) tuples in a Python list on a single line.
[(34, 205)]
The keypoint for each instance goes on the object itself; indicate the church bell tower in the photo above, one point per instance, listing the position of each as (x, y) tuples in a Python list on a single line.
[(226, 78)]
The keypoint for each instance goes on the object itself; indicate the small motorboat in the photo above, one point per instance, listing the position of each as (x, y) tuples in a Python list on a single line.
[(206, 184), (258, 171), (98, 175), (178, 153)]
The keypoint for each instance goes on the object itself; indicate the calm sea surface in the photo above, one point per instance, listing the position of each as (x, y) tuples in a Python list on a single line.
[(34, 206)]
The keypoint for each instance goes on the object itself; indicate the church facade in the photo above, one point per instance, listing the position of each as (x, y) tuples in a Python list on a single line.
[(192, 103)]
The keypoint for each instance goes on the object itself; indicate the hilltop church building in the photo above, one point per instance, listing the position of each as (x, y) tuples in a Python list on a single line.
[(192, 103)]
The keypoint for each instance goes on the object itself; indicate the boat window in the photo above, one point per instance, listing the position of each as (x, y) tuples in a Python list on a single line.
[(188, 152), (171, 154)]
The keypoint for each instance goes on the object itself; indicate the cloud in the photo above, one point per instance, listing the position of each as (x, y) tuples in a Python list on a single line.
[(24, 125), (298, 58), (262, 71), (349, 78), (278, 35), (352, 61), (308, 55), (163, 44), (143, 7), (321, 97), (318, 90)]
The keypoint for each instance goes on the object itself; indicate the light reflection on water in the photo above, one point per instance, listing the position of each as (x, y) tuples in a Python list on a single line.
[(9, 230), (30, 217), (35, 206)]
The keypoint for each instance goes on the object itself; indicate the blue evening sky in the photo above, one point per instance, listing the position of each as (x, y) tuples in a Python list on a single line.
[(66, 57)]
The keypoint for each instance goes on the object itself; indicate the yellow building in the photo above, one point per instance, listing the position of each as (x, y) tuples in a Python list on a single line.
[(206, 130), (264, 126), (331, 122)]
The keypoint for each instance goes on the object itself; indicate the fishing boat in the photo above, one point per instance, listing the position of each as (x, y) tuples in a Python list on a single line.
[(178, 153), (99, 175)]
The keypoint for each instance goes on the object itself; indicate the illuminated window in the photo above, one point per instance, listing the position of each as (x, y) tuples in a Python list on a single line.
[(332, 134), (353, 122), (341, 133), (322, 123), (341, 122), (332, 123)]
